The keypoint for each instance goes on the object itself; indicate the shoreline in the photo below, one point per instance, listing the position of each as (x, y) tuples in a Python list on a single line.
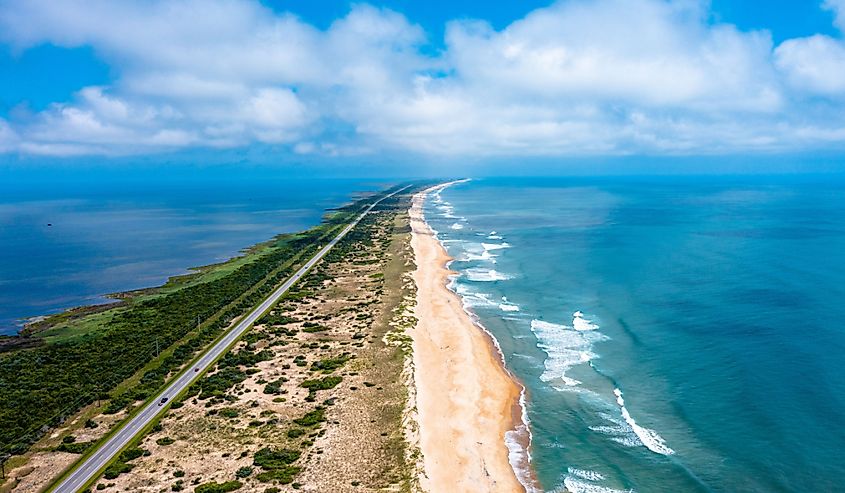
[(473, 433)]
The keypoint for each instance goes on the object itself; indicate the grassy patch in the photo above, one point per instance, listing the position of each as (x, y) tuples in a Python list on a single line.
[(218, 487)]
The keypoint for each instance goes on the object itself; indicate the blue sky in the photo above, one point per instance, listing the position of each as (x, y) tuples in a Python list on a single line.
[(439, 82)]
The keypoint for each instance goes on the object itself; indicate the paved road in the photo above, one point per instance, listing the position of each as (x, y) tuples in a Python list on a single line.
[(107, 451)]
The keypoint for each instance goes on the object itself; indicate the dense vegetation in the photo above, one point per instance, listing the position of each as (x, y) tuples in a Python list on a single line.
[(276, 465), (120, 465), (43, 385)]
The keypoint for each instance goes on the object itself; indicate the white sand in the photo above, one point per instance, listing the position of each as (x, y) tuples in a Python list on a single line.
[(466, 400)]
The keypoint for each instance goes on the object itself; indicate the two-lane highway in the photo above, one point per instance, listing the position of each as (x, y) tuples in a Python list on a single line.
[(80, 476)]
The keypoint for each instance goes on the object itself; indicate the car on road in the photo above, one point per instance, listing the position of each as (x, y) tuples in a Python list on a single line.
[(162, 401)]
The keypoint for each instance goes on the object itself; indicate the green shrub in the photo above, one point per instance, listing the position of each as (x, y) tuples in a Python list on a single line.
[(228, 412), (295, 433), (275, 387), (74, 447), (243, 472), (164, 441), (116, 469), (311, 418), (276, 465), (218, 487), (283, 475), (315, 328), (120, 465), (131, 453), (268, 458), (329, 365), (324, 383)]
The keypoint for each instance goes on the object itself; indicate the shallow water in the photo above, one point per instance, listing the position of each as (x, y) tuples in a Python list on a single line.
[(673, 334)]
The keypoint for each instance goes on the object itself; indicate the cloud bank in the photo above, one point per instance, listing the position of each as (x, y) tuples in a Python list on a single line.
[(579, 77)]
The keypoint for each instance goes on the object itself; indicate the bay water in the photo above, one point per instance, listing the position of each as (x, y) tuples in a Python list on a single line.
[(67, 241)]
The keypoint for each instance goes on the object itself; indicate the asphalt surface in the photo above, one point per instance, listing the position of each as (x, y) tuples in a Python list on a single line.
[(108, 450)]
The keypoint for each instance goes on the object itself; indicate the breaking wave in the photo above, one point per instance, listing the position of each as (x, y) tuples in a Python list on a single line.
[(479, 274), (648, 437), (565, 347)]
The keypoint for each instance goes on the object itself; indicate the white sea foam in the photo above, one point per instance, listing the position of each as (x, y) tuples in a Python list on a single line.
[(479, 274), (618, 431), (471, 298), (581, 323), (480, 252), (565, 348), (575, 485), (507, 306), (446, 210), (583, 481), (495, 246), (457, 226), (519, 455), (648, 437), (585, 474), (485, 255)]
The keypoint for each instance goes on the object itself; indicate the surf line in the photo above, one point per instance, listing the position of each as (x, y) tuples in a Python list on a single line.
[(672, 456)]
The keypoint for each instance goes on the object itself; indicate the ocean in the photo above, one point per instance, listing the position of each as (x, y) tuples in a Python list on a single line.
[(672, 334), (67, 240)]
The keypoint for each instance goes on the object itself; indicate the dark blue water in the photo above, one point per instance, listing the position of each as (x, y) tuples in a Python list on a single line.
[(673, 334), (67, 242)]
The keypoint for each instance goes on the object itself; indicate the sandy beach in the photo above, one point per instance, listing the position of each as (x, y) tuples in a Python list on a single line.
[(466, 400)]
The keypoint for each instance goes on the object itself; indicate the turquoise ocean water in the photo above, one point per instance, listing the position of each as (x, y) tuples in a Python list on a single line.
[(672, 334)]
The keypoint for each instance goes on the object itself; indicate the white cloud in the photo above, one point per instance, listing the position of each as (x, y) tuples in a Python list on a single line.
[(609, 76), (581, 76), (815, 64), (8, 138), (838, 9), (649, 52)]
